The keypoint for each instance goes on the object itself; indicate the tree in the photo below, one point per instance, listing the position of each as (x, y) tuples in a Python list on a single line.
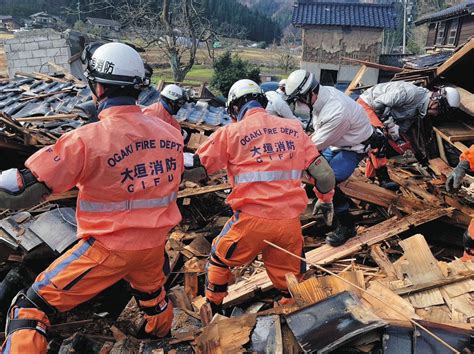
[(176, 27), (228, 70), (286, 58)]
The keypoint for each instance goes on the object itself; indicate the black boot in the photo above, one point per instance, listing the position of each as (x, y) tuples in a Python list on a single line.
[(384, 179), (345, 230)]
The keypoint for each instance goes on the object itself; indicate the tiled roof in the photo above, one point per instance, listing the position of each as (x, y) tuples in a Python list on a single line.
[(464, 8), (344, 14)]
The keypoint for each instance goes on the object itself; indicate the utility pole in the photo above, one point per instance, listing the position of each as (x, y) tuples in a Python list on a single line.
[(79, 9), (404, 25)]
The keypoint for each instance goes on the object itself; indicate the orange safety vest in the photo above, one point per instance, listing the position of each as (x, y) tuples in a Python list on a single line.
[(265, 157), (128, 169), (159, 111)]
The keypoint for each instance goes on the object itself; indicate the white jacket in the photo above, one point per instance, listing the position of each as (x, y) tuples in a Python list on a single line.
[(339, 121), (278, 106), (406, 101)]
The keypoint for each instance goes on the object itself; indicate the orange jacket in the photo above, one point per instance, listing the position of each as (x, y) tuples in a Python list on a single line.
[(158, 110), (264, 156), (127, 167), (468, 155)]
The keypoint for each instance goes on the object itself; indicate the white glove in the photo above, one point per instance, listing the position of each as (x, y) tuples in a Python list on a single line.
[(9, 180), (393, 130), (188, 160)]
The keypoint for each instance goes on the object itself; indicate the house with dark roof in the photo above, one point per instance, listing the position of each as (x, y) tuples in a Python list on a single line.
[(103, 24), (9, 22), (450, 27), (336, 29)]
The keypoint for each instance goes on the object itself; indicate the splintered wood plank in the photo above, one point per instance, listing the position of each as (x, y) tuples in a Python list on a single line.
[(426, 298), (462, 287), (383, 262), (388, 297), (463, 303), (422, 266), (438, 314), (440, 167), (380, 196), (316, 289), (413, 187), (227, 335), (326, 254), (188, 192)]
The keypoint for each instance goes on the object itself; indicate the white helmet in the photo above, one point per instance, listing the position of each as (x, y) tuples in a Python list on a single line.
[(114, 64), (282, 83), (244, 89), (452, 96), (172, 92), (299, 83)]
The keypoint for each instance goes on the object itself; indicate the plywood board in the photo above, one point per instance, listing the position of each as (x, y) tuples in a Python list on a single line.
[(316, 289), (426, 298), (388, 297), (422, 266)]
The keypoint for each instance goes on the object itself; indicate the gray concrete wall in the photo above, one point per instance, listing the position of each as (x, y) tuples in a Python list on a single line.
[(30, 51)]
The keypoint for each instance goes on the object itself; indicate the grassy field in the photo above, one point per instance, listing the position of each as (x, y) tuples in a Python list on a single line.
[(196, 76), (266, 59)]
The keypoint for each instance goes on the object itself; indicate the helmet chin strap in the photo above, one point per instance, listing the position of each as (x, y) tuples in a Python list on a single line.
[(307, 101)]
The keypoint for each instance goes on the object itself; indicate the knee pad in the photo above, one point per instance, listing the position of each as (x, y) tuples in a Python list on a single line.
[(22, 302)]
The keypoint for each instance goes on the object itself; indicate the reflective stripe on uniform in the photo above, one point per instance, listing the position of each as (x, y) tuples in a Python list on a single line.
[(97, 207), (78, 253), (267, 176)]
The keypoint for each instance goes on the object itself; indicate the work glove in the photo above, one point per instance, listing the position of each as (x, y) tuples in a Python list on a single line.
[(453, 183), (10, 180), (188, 160), (327, 209), (393, 130)]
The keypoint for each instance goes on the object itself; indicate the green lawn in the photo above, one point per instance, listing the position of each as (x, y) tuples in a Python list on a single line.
[(196, 76)]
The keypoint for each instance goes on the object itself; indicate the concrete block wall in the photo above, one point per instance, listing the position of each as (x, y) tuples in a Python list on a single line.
[(30, 51)]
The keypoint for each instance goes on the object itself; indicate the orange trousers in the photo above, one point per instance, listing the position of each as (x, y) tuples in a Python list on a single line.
[(242, 239), (469, 239), (83, 272), (374, 162)]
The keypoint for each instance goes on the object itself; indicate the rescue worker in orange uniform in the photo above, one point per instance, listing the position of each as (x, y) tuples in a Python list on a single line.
[(172, 98), (394, 107), (127, 167), (265, 157), (453, 183)]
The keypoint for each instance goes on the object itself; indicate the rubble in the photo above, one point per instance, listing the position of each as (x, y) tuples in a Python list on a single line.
[(398, 286)]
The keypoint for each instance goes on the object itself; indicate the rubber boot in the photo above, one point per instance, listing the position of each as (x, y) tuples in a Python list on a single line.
[(345, 229), (384, 179)]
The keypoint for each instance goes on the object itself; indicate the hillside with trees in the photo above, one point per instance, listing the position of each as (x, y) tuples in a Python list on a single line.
[(229, 17)]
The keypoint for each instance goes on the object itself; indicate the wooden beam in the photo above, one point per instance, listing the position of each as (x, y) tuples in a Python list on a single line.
[(380, 196), (355, 81), (326, 254), (458, 145), (42, 118), (188, 192), (369, 64), (455, 57), (467, 100)]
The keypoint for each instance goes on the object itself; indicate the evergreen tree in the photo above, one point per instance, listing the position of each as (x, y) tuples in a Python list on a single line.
[(228, 70)]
